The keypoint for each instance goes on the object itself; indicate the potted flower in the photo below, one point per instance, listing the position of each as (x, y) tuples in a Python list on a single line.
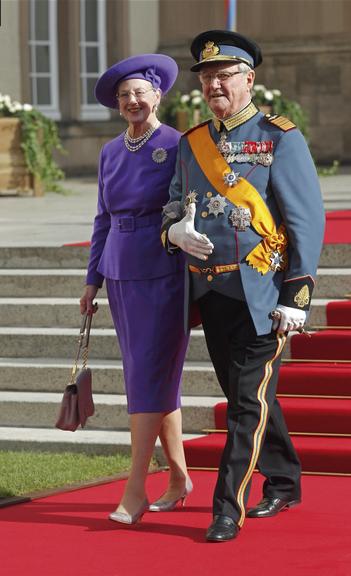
[(272, 102), (184, 111), (27, 142)]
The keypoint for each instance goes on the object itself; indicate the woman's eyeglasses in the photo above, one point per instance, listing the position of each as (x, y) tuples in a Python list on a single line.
[(138, 94)]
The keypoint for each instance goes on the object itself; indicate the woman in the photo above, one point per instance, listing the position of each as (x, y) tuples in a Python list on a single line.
[(144, 285)]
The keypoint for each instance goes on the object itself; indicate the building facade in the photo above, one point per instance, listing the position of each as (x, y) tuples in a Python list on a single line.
[(52, 52)]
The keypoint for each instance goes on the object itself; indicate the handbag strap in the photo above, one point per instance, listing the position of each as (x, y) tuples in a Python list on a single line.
[(83, 343)]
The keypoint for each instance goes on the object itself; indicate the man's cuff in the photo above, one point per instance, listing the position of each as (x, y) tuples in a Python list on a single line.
[(166, 224), (297, 292)]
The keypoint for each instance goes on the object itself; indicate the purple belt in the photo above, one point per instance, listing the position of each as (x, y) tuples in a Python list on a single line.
[(131, 223)]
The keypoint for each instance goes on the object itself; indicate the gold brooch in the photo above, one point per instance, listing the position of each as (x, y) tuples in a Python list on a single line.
[(210, 50)]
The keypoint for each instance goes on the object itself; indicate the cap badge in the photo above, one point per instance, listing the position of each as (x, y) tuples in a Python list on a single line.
[(210, 50)]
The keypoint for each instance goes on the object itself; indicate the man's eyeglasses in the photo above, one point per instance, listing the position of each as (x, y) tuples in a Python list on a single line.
[(222, 77), (138, 94)]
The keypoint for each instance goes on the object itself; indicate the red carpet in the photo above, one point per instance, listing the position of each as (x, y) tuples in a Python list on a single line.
[(338, 227), (315, 379), (324, 345), (69, 535), (339, 313), (317, 454), (315, 397), (302, 415)]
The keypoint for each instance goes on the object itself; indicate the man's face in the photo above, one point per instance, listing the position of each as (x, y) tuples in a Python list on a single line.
[(225, 88)]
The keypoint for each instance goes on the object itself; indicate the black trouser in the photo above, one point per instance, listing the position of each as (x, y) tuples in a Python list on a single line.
[(247, 369)]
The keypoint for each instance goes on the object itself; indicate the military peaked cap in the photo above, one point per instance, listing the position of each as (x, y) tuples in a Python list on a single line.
[(224, 46)]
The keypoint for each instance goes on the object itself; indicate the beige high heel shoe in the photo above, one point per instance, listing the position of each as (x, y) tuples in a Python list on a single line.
[(168, 505), (125, 518)]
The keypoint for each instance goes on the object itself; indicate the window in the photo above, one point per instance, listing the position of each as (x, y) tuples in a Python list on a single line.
[(43, 56), (92, 56)]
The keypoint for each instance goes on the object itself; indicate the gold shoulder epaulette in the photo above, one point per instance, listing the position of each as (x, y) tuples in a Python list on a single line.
[(195, 127), (280, 121)]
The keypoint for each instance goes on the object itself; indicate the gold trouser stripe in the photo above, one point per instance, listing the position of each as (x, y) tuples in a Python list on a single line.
[(218, 269), (261, 427)]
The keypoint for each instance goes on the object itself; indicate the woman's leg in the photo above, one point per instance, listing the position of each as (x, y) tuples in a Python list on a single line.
[(172, 444), (145, 427)]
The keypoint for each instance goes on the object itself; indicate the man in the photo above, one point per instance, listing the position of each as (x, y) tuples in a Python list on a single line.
[(252, 232)]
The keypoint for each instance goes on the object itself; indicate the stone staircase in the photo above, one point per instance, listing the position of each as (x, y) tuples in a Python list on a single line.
[(39, 321)]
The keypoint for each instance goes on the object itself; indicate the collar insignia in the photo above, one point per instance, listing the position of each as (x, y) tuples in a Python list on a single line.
[(237, 119)]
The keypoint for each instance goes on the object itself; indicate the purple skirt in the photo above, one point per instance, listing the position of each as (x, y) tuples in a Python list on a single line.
[(148, 318)]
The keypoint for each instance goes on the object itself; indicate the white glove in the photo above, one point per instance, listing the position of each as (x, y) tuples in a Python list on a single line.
[(184, 235), (286, 319)]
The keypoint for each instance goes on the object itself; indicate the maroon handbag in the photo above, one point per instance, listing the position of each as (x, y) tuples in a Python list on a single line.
[(77, 402)]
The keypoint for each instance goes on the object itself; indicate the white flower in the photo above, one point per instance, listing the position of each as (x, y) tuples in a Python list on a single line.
[(27, 107), (259, 88), (184, 98), (6, 100), (194, 93), (276, 92), (269, 95), (196, 100), (16, 106)]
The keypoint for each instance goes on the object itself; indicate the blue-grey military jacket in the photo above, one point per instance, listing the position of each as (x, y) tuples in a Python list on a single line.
[(271, 155)]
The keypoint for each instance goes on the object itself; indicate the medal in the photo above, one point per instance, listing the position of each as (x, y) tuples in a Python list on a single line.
[(240, 218), (277, 261), (260, 152), (216, 205), (190, 198), (231, 178)]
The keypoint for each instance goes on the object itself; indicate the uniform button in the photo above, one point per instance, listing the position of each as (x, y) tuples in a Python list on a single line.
[(210, 278), (209, 194), (204, 214)]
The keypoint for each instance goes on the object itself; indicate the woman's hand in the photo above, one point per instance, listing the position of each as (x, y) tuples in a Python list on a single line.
[(86, 301)]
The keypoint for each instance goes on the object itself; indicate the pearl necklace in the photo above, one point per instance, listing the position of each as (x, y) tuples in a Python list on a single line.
[(134, 144)]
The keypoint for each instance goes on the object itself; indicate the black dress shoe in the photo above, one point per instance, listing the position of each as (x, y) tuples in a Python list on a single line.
[(223, 528), (270, 507)]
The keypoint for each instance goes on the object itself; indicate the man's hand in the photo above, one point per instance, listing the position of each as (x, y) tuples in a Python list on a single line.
[(286, 319), (184, 235)]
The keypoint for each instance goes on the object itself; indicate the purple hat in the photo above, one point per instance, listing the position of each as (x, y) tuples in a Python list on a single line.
[(159, 69)]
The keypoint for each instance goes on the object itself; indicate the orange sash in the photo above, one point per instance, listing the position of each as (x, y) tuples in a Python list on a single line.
[(242, 194)]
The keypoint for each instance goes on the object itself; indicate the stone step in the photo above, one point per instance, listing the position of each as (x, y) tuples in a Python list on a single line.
[(35, 257), (49, 312), (40, 409), (84, 441), (52, 375), (26, 283), (43, 283), (64, 312), (61, 343)]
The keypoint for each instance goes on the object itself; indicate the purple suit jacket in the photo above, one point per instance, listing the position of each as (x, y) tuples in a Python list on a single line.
[(133, 187)]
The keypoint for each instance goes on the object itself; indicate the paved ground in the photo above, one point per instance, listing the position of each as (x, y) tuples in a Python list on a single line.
[(56, 219)]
